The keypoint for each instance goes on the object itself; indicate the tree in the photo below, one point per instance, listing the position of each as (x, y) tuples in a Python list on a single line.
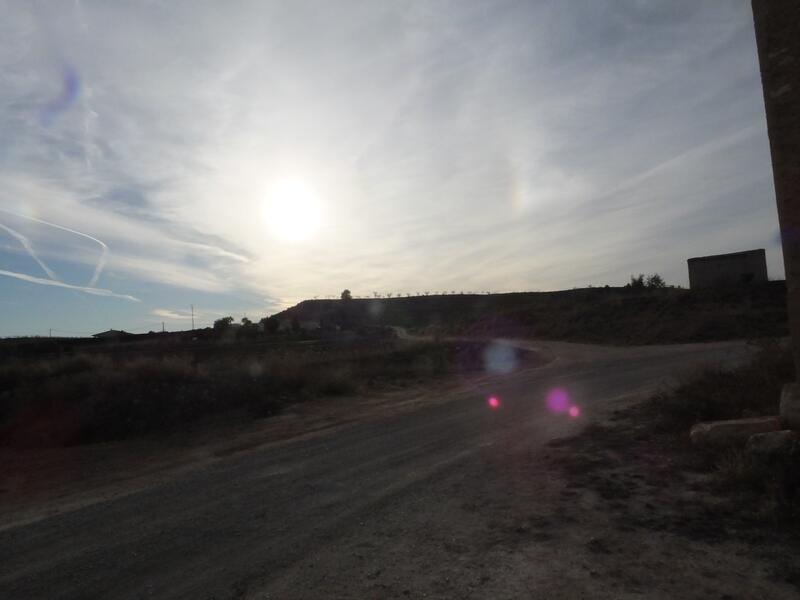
[(270, 324), (636, 282), (248, 329), (346, 295), (223, 323), (655, 281)]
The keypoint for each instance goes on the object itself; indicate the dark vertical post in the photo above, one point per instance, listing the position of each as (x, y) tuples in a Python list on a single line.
[(777, 26)]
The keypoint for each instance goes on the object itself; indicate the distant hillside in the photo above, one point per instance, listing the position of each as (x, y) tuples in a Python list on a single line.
[(603, 315)]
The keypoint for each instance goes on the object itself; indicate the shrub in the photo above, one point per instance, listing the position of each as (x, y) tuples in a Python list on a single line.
[(90, 398), (655, 281), (636, 282), (716, 393), (223, 323), (771, 486)]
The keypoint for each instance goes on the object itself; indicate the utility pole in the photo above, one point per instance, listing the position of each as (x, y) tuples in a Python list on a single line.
[(192, 305), (777, 26), (162, 327)]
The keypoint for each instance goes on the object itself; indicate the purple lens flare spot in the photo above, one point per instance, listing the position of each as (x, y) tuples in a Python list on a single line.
[(558, 400)]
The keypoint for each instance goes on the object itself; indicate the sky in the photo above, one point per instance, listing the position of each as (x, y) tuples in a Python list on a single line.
[(242, 156)]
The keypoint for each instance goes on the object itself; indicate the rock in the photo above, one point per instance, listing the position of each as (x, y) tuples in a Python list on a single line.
[(790, 405), (733, 432), (773, 444)]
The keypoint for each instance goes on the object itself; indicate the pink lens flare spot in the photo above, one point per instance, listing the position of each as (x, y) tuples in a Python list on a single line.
[(574, 412), (558, 400), (494, 402)]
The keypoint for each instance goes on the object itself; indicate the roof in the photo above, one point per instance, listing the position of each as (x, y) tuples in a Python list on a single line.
[(728, 256)]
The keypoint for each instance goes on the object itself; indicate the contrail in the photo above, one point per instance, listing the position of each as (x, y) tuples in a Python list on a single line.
[(216, 250), (88, 290), (101, 262), (25, 242)]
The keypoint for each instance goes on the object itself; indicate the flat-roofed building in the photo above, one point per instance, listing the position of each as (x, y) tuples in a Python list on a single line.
[(737, 268)]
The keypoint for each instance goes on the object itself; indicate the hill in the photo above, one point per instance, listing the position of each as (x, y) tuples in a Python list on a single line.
[(600, 315)]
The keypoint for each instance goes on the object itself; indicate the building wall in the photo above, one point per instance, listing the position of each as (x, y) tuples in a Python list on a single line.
[(737, 268), (777, 26)]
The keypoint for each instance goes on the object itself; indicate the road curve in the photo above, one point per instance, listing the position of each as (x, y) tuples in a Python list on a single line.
[(368, 510)]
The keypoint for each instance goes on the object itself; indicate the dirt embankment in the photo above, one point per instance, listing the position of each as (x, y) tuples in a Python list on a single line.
[(593, 315)]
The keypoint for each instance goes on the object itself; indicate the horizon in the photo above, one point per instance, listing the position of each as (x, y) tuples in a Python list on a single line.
[(245, 160), (256, 319)]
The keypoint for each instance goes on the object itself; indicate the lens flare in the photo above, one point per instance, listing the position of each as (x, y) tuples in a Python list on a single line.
[(500, 358), (574, 412), (558, 400), (494, 402), (70, 88)]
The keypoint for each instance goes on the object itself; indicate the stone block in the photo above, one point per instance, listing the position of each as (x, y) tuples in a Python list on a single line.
[(790, 406), (733, 432), (774, 444)]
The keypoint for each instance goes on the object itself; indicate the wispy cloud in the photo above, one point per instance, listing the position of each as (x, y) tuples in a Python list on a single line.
[(170, 314), (50, 282), (533, 145)]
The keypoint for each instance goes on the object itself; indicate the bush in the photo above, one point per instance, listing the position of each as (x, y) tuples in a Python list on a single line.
[(91, 398), (223, 323), (715, 394), (636, 282), (771, 487)]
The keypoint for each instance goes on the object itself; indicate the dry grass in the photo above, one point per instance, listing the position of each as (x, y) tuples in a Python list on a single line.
[(768, 488), (89, 398), (716, 393)]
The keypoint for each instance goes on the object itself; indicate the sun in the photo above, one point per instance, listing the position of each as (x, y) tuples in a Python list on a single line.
[(292, 211)]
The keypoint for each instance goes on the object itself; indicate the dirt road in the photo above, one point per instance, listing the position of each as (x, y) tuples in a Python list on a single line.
[(453, 499)]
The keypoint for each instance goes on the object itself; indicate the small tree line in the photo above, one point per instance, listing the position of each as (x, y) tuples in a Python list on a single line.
[(248, 328), (651, 282)]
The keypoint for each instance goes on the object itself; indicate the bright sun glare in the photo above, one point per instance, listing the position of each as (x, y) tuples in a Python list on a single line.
[(292, 211)]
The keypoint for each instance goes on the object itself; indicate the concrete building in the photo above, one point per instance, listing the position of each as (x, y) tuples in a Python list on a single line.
[(737, 268)]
